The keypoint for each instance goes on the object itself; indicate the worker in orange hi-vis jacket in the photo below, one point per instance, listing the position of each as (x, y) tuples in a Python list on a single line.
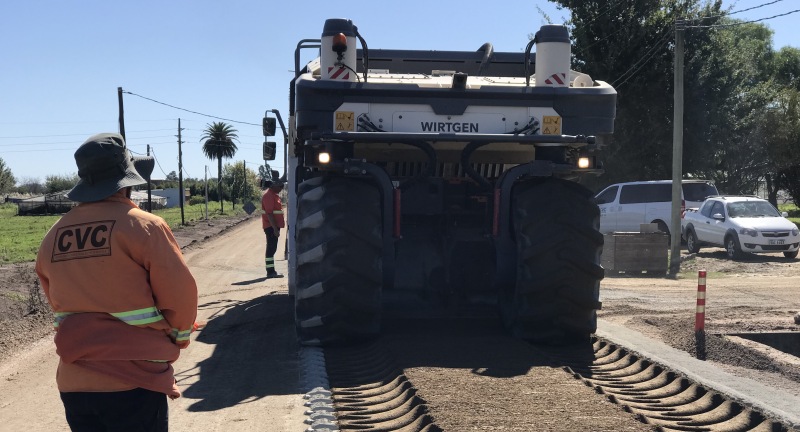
[(272, 221), (124, 300)]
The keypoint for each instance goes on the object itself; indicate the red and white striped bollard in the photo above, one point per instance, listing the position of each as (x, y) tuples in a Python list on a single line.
[(700, 315)]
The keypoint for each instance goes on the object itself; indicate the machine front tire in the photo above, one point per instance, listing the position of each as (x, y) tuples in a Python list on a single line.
[(556, 295), (339, 261)]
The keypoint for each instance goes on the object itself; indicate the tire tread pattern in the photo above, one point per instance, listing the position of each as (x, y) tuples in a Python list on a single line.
[(348, 310), (556, 296)]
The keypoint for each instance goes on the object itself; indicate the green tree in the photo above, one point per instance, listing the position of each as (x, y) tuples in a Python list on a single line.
[(7, 180), (60, 183), (218, 142), (782, 127), (730, 149), (727, 87), (782, 137), (630, 45), (786, 67), (31, 185), (172, 176), (240, 182)]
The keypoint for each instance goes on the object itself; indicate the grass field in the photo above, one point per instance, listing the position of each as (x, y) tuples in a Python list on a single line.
[(20, 236), (794, 212)]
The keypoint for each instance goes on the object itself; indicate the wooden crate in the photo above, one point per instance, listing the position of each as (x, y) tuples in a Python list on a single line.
[(636, 252)]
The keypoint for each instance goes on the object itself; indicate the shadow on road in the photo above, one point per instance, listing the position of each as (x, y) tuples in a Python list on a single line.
[(250, 282), (479, 344), (255, 355)]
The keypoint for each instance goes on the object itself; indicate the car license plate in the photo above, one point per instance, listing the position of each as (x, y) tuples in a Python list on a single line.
[(776, 242)]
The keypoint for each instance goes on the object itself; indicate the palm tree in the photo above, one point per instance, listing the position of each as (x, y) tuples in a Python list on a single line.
[(217, 144)]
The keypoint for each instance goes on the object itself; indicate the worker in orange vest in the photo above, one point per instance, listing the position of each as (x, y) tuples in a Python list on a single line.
[(124, 300), (272, 221)]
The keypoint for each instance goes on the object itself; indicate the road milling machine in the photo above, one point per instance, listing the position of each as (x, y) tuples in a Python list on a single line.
[(443, 181)]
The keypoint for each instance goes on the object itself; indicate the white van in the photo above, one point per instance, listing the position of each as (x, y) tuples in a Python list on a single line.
[(625, 206)]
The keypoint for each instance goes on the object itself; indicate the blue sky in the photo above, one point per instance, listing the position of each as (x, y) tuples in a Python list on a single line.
[(62, 62)]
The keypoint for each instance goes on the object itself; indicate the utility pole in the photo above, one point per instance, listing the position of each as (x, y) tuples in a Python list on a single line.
[(677, 154), (149, 193), (121, 114), (182, 195), (205, 174), (244, 185)]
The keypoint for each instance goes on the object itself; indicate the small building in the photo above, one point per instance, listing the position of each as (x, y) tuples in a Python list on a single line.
[(48, 204), (140, 199), (58, 203), (172, 196)]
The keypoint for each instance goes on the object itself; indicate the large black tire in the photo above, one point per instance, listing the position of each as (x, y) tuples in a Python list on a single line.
[(339, 261), (557, 291)]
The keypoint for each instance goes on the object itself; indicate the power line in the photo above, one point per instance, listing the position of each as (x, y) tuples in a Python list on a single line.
[(239, 135), (190, 111), (154, 158), (743, 22), (609, 9), (130, 142), (39, 150), (586, 48), (642, 61), (735, 12), (157, 162), (67, 135), (755, 7)]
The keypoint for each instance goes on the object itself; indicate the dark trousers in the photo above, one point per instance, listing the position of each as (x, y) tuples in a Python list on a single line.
[(272, 247), (136, 410)]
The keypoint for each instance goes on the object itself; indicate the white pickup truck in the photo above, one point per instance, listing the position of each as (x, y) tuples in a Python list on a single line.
[(740, 224)]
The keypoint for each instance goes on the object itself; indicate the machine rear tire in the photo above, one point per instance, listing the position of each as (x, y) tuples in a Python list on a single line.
[(557, 291), (339, 261)]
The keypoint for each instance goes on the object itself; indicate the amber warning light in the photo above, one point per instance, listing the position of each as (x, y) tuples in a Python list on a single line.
[(339, 43)]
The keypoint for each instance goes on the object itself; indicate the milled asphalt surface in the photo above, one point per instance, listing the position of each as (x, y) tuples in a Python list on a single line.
[(776, 403)]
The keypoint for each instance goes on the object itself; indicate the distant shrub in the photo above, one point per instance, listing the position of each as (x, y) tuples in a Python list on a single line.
[(197, 199)]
